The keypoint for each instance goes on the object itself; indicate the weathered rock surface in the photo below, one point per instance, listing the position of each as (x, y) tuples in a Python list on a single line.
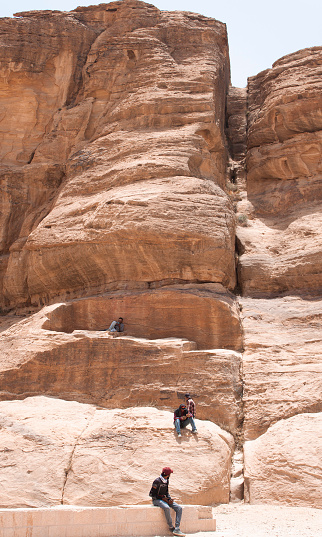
[(137, 129), (58, 451), (206, 314), (282, 360), (284, 465), (128, 241), (94, 367), (286, 100), (41, 59), (281, 246), (119, 136), (282, 255)]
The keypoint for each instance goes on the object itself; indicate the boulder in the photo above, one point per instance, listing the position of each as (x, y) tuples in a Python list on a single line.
[(283, 465), (63, 452)]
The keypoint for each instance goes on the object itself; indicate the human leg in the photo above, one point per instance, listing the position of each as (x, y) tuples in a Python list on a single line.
[(166, 510), (177, 425), (178, 510), (192, 423), (112, 327)]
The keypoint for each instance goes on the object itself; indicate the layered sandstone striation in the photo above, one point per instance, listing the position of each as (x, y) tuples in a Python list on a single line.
[(282, 243), (115, 204), (138, 130), (168, 311), (279, 274), (123, 151), (94, 367)]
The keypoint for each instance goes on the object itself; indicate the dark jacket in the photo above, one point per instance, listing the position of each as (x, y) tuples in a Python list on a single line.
[(159, 490), (179, 413)]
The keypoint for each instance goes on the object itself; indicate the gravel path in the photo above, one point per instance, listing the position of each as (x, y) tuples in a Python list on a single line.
[(244, 520)]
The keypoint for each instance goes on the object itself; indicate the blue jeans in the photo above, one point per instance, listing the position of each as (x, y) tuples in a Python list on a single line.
[(184, 424), (166, 508)]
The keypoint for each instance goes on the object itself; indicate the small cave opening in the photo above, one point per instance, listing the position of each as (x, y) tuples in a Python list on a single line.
[(131, 55)]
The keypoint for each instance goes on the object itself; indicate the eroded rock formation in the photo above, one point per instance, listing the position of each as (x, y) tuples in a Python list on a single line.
[(138, 129), (282, 243), (124, 154), (72, 453), (94, 367), (283, 465), (282, 360)]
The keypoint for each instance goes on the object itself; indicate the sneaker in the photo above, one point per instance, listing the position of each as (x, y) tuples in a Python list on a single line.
[(172, 529), (179, 434), (178, 532), (194, 431)]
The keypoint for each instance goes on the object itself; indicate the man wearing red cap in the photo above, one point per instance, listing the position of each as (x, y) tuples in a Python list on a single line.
[(161, 498)]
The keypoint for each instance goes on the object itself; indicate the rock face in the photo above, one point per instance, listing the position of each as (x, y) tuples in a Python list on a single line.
[(282, 360), (123, 160), (282, 245), (279, 274), (138, 130), (71, 453), (93, 367), (169, 311), (283, 465)]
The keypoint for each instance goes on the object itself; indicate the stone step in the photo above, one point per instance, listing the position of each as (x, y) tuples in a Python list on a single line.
[(78, 521)]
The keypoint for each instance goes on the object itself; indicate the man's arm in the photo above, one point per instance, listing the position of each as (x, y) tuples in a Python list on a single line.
[(154, 490)]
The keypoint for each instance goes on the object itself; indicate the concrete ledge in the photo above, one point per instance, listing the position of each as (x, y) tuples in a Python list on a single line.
[(75, 521)]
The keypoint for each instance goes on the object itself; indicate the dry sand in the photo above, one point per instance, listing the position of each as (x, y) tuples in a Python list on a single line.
[(244, 520)]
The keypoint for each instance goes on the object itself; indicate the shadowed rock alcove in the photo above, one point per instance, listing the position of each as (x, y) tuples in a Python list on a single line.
[(206, 314)]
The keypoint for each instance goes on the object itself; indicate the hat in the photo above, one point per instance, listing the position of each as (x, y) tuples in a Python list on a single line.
[(182, 406), (187, 395), (167, 470)]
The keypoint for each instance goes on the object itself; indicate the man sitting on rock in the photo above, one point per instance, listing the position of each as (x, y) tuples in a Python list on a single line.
[(117, 326), (161, 498), (182, 418)]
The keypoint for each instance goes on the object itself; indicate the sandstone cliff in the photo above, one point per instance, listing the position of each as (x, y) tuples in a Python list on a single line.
[(283, 240), (279, 242), (130, 155), (124, 155)]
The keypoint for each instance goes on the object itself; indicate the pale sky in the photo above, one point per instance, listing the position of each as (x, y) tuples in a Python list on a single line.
[(259, 32)]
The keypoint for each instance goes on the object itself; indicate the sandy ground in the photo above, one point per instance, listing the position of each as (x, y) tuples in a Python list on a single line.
[(244, 520)]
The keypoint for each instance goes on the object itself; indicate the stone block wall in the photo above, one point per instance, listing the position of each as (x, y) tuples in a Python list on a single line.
[(72, 521)]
